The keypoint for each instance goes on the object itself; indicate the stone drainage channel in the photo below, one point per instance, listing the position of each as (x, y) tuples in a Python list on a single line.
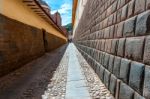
[(75, 79)]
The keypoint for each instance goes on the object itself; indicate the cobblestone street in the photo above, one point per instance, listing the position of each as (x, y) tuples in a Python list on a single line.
[(30, 81), (75, 79)]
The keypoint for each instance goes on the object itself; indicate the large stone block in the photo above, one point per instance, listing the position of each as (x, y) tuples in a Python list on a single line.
[(115, 17), (110, 20), (114, 46), (116, 67), (109, 11), (111, 31), (121, 47), (106, 32), (146, 88), (124, 70), (129, 27), (131, 8), (120, 29), (139, 6), (112, 84), (106, 78), (119, 12), (117, 89), (147, 4), (146, 58), (125, 92), (111, 63), (97, 68), (136, 76), (114, 6), (137, 96), (122, 3), (118, 5), (124, 12), (106, 60), (102, 58), (143, 24), (101, 74), (102, 45), (134, 48), (99, 56), (108, 46)]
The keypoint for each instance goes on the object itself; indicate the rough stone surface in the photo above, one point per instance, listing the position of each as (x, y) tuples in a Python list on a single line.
[(146, 90), (106, 60), (125, 92), (116, 67), (111, 63), (120, 29), (124, 12), (106, 78), (129, 27), (147, 4), (121, 47), (134, 48), (112, 85), (139, 6), (102, 69), (131, 8), (123, 32), (96, 88), (114, 46), (136, 76), (146, 58), (137, 96), (124, 70), (143, 24)]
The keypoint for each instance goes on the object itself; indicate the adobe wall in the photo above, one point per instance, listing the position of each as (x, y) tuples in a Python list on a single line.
[(113, 36), (21, 43)]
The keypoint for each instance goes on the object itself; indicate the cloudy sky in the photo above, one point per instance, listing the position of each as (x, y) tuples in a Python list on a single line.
[(62, 6)]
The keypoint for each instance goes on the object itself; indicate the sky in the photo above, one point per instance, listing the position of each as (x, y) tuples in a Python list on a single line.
[(64, 7)]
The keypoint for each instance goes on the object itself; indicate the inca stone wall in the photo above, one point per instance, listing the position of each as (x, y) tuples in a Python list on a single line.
[(21, 43), (113, 36)]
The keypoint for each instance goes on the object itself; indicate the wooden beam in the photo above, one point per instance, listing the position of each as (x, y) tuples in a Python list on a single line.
[(30, 5), (34, 8), (26, 1)]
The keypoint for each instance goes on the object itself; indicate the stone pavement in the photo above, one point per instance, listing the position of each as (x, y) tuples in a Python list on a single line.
[(61, 74), (75, 79), (31, 80)]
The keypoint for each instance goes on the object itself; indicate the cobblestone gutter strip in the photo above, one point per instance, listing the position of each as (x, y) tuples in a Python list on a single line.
[(57, 87), (96, 88)]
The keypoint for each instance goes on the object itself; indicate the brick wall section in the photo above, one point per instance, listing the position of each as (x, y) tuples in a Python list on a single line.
[(21, 43), (113, 36), (52, 42)]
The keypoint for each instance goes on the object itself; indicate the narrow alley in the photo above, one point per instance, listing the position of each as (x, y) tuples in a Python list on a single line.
[(74, 49), (73, 78)]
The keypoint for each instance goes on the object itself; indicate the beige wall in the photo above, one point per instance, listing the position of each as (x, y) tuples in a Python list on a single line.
[(80, 7), (17, 10)]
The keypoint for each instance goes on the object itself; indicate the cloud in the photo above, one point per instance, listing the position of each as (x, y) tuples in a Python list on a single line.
[(64, 9), (66, 19)]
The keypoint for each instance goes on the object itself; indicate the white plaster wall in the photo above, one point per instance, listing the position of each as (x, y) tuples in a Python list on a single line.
[(79, 11)]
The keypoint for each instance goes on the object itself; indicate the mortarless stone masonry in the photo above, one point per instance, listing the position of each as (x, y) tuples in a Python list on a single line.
[(115, 34)]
